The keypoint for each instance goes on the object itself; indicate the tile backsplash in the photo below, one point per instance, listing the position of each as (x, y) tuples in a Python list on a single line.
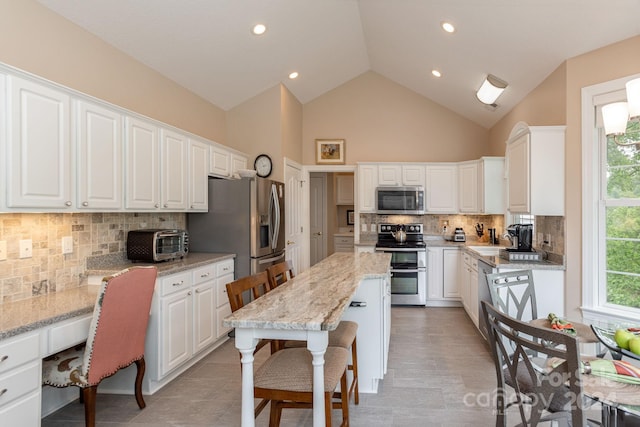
[(48, 270)]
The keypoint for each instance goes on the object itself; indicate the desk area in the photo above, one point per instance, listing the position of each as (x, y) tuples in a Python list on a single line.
[(307, 307)]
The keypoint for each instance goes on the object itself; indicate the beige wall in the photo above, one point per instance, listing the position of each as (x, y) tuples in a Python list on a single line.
[(543, 106), (384, 121), (609, 63), (34, 39), (291, 125)]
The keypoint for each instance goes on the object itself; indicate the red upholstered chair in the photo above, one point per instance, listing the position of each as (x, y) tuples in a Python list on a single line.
[(116, 339)]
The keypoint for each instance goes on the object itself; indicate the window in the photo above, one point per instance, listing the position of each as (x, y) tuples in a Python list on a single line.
[(611, 212)]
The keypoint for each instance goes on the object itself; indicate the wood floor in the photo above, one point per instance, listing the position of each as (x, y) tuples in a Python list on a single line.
[(440, 374)]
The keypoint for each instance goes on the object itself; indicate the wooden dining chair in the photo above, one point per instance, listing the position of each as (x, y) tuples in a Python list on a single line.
[(278, 273), (286, 378), (549, 383), (116, 339), (343, 336)]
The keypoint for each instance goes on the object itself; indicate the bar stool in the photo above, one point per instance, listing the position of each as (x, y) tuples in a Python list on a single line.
[(343, 336)]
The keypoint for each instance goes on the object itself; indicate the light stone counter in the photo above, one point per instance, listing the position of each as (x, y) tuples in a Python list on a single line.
[(316, 298)]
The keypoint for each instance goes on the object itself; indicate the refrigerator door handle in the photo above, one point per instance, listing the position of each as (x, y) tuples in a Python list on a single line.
[(275, 221), (269, 260)]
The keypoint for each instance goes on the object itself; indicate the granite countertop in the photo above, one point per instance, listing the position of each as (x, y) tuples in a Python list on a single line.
[(316, 298), (33, 313), (192, 260)]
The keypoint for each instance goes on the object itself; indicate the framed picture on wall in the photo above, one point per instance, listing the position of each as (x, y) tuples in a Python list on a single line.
[(330, 151), (350, 217)]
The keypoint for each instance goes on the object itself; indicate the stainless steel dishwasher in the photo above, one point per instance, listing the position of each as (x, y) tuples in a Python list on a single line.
[(484, 268)]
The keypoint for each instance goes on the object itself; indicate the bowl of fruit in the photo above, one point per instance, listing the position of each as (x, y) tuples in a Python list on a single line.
[(623, 340)]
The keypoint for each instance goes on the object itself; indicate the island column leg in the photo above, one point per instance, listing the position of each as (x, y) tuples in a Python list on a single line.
[(246, 344), (317, 342)]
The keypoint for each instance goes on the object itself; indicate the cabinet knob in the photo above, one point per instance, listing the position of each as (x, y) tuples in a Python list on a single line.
[(157, 205), (189, 293), (67, 203), (166, 205), (197, 291), (192, 207), (85, 204)]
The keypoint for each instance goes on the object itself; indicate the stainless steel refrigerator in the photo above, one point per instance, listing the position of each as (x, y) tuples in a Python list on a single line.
[(246, 217)]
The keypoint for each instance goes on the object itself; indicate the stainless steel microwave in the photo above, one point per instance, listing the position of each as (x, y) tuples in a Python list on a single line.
[(400, 200), (157, 245)]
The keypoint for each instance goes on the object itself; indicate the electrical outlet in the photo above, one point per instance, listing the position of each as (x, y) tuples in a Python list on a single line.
[(363, 227), (67, 245), (540, 239), (26, 248), (373, 228), (3, 250)]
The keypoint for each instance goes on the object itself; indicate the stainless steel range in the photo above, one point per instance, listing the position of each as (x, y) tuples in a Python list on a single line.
[(408, 262)]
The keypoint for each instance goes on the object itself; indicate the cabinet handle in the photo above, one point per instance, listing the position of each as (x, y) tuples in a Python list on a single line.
[(225, 269), (178, 284), (189, 293), (67, 203), (3, 391), (204, 275), (85, 204), (3, 358), (289, 242)]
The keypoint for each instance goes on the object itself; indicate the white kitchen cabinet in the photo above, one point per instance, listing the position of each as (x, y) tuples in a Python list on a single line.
[(469, 286), (389, 174), (374, 330), (404, 174), (198, 175), (442, 277), (176, 317), (238, 162), (481, 186), (142, 160), (220, 162), (174, 173), (367, 175), (20, 381), (344, 189), (535, 170), (99, 156), (549, 286), (224, 274), (204, 308), (38, 166), (413, 175), (342, 243), (442, 188), (365, 248)]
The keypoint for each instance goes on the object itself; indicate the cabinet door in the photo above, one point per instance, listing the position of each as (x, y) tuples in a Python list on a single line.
[(237, 162), (367, 182), (99, 157), (177, 327), (517, 158), (174, 155), (223, 307), (389, 174), (465, 279), (39, 150), (473, 293), (24, 412), (451, 273), (142, 160), (220, 164), (434, 270), (470, 194), (204, 315), (198, 175), (442, 188), (344, 189), (413, 175)]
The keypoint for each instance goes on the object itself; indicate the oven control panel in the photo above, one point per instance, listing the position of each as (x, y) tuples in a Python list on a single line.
[(408, 228)]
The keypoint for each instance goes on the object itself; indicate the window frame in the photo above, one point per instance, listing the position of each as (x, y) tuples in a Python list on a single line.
[(594, 306)]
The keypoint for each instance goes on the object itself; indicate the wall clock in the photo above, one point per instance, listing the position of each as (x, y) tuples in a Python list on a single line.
[(263, 165)]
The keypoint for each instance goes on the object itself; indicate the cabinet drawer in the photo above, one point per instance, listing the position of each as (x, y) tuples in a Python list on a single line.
[(69, 334), (203, 274), (175, 283), (343, 241), (23, 413), (224, 267), (19, 382), (19, 351)]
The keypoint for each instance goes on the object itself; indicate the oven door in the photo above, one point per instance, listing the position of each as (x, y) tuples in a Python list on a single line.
[(408, 286)]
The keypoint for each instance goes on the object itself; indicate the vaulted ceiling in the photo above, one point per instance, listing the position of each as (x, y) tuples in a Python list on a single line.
[(207, 45)]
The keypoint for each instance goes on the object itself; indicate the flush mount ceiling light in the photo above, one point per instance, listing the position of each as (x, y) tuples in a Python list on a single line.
[(616, 116), (293, 75), (259, 29), (448, 27), (436, 73), (491, 89)]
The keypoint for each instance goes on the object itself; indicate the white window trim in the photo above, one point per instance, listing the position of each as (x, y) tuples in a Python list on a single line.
[(592, 96)]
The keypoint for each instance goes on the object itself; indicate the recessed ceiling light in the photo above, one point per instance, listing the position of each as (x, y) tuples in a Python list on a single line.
[(259, 29), (293, 75), (448, 27), (436, 73)]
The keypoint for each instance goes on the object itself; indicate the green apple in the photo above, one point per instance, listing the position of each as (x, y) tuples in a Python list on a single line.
[(622, 337), (634, 345)]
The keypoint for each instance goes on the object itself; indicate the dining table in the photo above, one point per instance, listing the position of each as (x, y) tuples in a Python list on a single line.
[(304, 308)]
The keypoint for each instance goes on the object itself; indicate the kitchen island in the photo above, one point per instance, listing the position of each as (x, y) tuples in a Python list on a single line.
[(310, 305)]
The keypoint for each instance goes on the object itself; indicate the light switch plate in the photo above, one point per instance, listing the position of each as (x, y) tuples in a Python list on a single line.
[(26, 248), (67, 245)]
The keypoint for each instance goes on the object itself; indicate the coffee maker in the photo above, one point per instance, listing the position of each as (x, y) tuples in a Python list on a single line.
[(521, 237)]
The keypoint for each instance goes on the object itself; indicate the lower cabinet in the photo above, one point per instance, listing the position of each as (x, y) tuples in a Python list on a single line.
[(469, 286), (342, 243), (443, 278)]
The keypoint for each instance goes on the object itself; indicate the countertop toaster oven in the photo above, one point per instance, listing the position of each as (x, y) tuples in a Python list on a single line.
[(157, 245)]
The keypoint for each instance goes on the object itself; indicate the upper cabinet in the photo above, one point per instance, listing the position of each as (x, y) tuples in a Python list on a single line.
[(481, 186), (401, 174), (535, 170), (238, 161), (142, 165), (220, 163), (38, 162), (442, 188), (344, 189), (198, 175), (174, 171), (99, 156), (367, 182)]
